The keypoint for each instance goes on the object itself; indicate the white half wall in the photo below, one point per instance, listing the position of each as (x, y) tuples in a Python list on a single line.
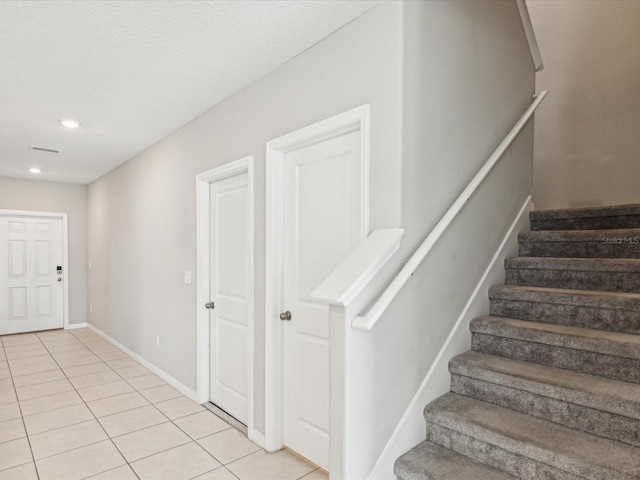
[(411, 429)]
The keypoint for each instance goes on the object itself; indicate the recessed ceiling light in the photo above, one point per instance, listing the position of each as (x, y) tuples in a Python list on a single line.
[(35, 170), (69, 123)]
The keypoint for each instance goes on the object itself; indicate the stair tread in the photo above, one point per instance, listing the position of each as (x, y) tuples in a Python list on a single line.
[(575, 264), (428, 461), (565, 213), (613, 396), (600, 341), (596, 298), (543, 441), (579, 338), (578, 235)]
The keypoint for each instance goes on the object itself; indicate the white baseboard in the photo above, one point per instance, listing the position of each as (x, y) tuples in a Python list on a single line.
[(411, 428), (73, 326), (150, 366)]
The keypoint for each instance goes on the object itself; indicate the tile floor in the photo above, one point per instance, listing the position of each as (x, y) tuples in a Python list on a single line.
[(73, 406)]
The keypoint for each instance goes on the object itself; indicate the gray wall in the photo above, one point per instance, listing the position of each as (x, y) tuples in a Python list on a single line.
[(586, 133), (142, 215), (468, 77), (39, 196)]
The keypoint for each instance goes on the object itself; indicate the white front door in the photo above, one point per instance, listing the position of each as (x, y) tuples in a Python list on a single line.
[(231, 287), (322, 225), (31, 290)]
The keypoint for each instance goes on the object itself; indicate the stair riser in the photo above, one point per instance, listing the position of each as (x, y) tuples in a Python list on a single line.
[(575, 279), (596, 249), (597, 422), (608, 366), (589, 223), (623, 321), (494, 456)]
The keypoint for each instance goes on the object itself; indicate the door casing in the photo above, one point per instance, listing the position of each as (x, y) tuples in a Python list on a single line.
[(357, 119), (65, 252), (203, 219)]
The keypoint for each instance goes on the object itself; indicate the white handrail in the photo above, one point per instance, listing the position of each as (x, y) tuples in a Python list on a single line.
[(373, 315)]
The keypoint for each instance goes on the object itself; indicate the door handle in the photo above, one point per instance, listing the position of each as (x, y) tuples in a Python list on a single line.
[(59, 279), (285, 316), (210, 306)]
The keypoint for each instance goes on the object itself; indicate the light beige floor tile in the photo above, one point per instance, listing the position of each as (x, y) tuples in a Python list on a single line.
[(179, 407), (22, 339), (45, 421), (102, 348), (81, 370), (5, 373), (12, 430), (8, 396), (220, 473), (121, 473), (4, 365), (80, 463), (10, 411), (130, 372), (37, 352), (44, 389), (183, 462), (50, 402), (132, 420), (145, 381), (14, 453), (160, 394), (66, 347), (94, 379), (105, 390), (78, 361), (318, 474), (201, 424), (114, 355), (117, 404), (228, 445), (6, 383), (37, 368), (36, 378), (38, 360), (71, 354), (281, 465), (66, 438), (23, 472), (150, 441), (123, 363)]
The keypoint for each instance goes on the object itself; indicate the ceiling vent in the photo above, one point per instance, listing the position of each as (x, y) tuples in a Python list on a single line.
[(44, 149)]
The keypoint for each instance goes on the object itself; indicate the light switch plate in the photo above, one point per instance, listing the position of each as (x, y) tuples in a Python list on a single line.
[(187, 277)]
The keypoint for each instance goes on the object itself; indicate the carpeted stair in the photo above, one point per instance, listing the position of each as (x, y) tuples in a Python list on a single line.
[(551, 388)]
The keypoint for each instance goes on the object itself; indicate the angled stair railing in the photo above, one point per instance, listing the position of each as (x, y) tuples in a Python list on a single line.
[(368, 321)]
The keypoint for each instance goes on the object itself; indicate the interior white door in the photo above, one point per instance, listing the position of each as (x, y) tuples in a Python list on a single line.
[(31, 290), (322, 225), (231, 287)]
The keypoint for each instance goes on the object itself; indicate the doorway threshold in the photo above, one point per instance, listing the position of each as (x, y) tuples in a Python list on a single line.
[(218, 412)]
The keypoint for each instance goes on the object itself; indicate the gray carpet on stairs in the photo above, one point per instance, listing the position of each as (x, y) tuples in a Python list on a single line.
[(551, 388)]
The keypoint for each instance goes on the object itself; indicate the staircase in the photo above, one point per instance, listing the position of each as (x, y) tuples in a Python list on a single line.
[(551, 388)]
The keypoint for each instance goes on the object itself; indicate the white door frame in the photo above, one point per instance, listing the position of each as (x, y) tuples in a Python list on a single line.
[(203, 289), (354, 120), (65, 250)]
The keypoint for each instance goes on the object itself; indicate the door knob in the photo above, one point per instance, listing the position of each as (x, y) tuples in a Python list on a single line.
[(59, 279), (285, 316), (210, 305)]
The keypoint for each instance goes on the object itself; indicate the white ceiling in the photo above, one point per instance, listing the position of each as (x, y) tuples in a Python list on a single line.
[(134, 71)]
